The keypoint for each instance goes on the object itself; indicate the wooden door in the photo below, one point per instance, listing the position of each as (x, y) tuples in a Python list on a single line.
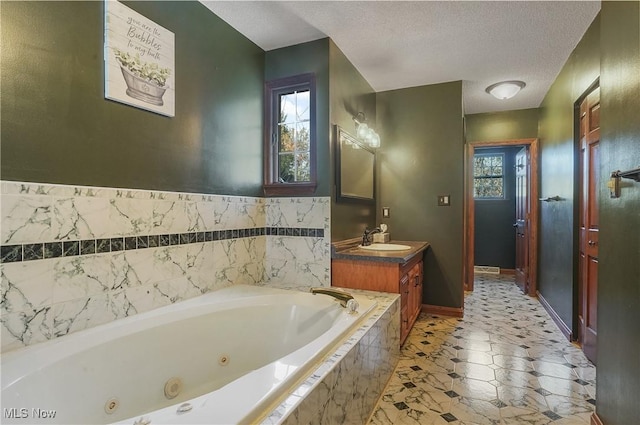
[(522, 216), (588, 222)]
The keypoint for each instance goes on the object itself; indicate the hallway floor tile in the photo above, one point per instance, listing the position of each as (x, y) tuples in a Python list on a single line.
[(505, 362)]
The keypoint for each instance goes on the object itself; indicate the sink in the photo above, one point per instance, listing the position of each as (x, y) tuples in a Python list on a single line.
[(385, 247)]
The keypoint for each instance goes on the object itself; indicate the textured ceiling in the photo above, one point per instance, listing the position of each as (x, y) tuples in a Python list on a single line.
[(398, 44)]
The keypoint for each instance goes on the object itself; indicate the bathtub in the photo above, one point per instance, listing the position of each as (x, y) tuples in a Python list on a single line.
[(222, 358)]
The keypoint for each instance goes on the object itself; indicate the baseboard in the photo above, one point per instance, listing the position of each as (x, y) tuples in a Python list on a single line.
[(442, 311), (554, 316), (507, 271), (595, 419)]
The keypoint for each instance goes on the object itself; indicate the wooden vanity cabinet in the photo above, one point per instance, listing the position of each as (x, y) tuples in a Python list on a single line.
[(399, 278)]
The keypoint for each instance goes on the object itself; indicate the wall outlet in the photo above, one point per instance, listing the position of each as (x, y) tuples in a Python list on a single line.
[(444, 200)]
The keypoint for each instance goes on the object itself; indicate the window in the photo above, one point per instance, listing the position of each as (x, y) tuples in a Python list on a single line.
[(488, 181), (290, 157)]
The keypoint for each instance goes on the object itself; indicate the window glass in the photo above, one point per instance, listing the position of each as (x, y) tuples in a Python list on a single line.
[(293, 124), (289, 135), (488, 176)]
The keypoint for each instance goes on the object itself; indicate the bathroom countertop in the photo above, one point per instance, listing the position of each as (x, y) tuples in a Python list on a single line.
[(348, 250)]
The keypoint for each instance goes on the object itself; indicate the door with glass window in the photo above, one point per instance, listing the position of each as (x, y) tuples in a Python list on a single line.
[(522, 215)]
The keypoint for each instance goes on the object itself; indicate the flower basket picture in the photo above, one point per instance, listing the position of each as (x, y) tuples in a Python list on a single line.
[(139, 60), (145, 81)]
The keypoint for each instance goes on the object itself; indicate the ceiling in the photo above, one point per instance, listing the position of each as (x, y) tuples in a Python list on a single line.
[(398, 44)]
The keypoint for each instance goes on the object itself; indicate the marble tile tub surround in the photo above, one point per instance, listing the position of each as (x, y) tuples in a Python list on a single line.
[(292, 260), (345, 386), (74, 257), (504, 363)]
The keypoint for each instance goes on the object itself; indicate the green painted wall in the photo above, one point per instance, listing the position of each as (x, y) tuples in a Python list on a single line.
[(618, 383), (299, 59), (350, 93), (494, 236), (557, 267), (507, 125), (421, 157), (58, 128)]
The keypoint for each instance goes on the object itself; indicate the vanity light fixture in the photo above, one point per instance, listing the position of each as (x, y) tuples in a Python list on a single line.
[(505, 89), (366, 133)]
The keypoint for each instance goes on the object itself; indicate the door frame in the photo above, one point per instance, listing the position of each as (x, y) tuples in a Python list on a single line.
[(469, 209)]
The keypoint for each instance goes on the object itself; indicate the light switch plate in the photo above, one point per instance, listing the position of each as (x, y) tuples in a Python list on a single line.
[(386, 212), (444, 200)]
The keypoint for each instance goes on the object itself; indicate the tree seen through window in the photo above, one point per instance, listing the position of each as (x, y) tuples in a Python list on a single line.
[(294, 137)]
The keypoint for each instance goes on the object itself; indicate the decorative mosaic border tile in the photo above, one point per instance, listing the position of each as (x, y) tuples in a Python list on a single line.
[(45, 250)]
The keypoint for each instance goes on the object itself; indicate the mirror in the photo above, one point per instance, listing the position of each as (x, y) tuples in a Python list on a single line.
[(355, 169)]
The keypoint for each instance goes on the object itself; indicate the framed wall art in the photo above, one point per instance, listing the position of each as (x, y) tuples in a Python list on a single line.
[(139, 60)]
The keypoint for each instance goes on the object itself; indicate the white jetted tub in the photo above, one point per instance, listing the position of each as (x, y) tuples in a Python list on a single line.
[(222, 358)]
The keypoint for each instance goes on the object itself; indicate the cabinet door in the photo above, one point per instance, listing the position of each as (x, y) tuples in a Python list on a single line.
[(417, 288), (405, 313), (415, 292)]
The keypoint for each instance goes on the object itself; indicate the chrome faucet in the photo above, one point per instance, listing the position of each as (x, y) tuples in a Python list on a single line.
[(346, 299), (366, 241)]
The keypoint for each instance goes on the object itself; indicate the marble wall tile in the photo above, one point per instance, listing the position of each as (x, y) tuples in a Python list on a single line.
[(226, 270), (26, 287), (130, 216), (81, 218), (25, 328), (205, 213), (224, 214), (249, 261), (26, 218), (83, 313), (246, 214), (179, 289), (200, 265), (80, 277), (88, 255), (310, 274), (251, 274), (298, 212), (280, 271), (305, 261), (168, 216)]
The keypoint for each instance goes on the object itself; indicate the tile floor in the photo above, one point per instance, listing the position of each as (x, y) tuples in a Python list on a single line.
[(505, 362)]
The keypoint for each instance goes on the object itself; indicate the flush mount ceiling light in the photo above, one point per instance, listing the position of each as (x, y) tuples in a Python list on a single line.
[(505, 89), (366, 133)]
